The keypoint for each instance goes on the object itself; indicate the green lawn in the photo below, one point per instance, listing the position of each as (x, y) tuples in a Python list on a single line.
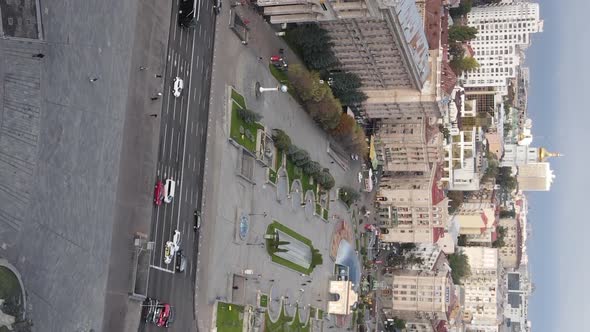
[(325, 214), (264, 300), (230, 317), (238, 98), (237, 122), (272, 176), (285, 262), (286, 323), (307, 182)]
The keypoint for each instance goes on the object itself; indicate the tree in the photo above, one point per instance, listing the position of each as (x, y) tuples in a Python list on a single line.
[(300, 158), (316, 258), (460, 269), (325, 180), (348, 195), (326, 112), (345, 127), (462, 33), (507, 127), (505, 179), (292, 150), (281, 139), (315, 46), (353, 98), (463, 9), (493, 167), (507, 214), (301, 80), (460, 65), (249, 116), (312, 168), (455, 200), (501, 233), (345, 87), (456, 50)]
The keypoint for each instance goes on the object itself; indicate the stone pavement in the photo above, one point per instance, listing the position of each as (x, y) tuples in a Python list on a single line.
[(75, 157), (227, 195)]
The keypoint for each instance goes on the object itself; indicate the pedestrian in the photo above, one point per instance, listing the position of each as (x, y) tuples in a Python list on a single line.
[(281, 51), (154, 115), (93, 79), (39, 55), (244, 42), (154, 98), (142, 68), (332, 162), (159, 94), (272, 280), (301, 290), (158, 76), (259, 58), (303, 274), (259, 276), (235, 287)]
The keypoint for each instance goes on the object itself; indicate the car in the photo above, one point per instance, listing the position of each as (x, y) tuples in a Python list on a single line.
[(149, 307), (169, 189), (178, 86), (176, 239), (217, 6), (197, 224), (165, 315), (169, 251), (158, 192), (180, 263)]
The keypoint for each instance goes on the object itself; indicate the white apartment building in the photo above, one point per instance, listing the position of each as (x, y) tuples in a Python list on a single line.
[(429, 253), (461, 169), (504, 31), (516, 302), (481, 310)]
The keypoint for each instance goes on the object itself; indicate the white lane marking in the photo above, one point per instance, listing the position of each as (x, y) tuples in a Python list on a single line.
[(181, 32), (171, 142), (162, 269), (198, 10), (164, 143)]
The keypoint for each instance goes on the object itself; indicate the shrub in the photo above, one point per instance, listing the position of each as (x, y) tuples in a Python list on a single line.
[(325, 179), (281, 139), (292, 150), (300, 158), (249, 116), (349, 195)]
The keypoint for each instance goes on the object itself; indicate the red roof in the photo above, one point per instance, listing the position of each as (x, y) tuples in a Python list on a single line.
[(441, 327), (437, 233), (438, 194), (484, 218), (432, 23), (448, 77)]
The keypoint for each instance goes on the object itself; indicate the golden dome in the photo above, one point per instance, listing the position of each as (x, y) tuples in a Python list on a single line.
[(544, 154)]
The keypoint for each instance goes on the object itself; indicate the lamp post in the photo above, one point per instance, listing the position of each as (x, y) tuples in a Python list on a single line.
[(259, 90)]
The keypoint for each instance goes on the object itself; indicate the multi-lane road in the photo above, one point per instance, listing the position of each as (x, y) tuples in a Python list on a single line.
[(181, 157)]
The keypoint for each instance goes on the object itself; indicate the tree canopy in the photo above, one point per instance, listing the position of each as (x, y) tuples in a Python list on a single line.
[(459, 264), (462, 33)]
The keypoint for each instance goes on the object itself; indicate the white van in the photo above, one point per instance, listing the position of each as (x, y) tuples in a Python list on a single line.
[(169, 188)]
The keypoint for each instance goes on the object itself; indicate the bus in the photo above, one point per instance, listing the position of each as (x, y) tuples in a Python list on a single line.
[(187, 13)]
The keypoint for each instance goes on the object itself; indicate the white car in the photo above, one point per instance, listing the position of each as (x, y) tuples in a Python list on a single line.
[(169, 252), (169, 188), (178, 86), (176, 240)]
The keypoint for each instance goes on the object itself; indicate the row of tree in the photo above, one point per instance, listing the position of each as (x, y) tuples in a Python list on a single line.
[(301, 159), (326, 110), (458, 36)]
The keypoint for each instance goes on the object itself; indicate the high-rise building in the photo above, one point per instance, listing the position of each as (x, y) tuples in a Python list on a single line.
[(482, 306), (535, 177), (503, 32)]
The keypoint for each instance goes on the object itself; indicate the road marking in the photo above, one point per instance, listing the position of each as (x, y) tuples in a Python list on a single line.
[(198, 10), (181, 32), (164, 143), (162, 269), (171, 142)]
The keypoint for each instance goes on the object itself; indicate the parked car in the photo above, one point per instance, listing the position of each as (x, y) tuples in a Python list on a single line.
[(180, 263), (176, 239), (148, 309), (169, 251), (158, 192), (217, 6), (165, 315), (170, 187), (197, 224), (178, 86)]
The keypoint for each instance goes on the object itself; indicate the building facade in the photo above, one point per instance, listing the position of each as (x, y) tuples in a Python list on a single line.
[(511, 252), (482, 306), (503, 32), (408, 144), (412, 208)]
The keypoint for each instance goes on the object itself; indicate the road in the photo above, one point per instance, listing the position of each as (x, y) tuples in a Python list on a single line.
[(181, 157)]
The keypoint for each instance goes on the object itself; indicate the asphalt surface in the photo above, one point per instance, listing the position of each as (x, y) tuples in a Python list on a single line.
[(181, 157)]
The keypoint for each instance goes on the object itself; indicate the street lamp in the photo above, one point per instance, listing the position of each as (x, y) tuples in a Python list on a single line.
[(281, 87)]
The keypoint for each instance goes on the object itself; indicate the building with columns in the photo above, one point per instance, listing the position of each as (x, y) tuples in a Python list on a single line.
[(504, 31), (511, 252)]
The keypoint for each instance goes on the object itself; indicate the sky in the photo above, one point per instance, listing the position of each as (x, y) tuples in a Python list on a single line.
[(558, 105)]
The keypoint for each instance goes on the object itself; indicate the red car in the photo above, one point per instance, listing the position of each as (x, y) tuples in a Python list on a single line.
[(158, 192), (165, 316)]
